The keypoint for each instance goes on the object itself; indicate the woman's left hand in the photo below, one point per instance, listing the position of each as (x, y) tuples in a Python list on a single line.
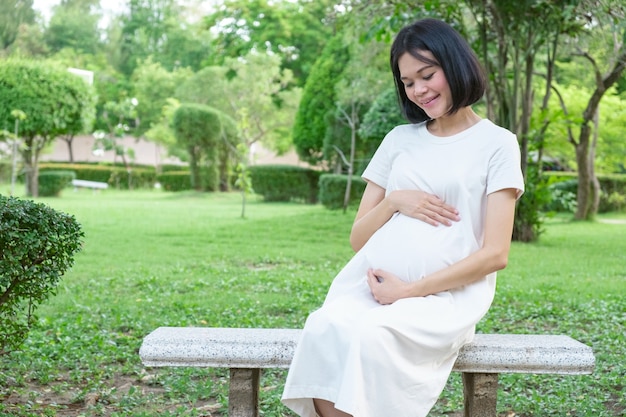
[(386, 287)]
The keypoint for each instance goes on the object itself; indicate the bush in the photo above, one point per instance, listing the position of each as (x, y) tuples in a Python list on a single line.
[(613, 195), (134, 178), (285, 183), (209, 177), (564, 189), (175, 181), (171, 167), (51, 183), (562, 196), (37, 246), (115, 175), (333, 190), (5, 171), (88, 172), (615, 201)]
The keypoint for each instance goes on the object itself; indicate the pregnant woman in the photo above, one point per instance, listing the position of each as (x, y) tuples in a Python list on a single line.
[(433, 227)]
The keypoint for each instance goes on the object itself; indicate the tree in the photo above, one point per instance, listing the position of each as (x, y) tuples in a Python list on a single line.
[(159, 29), (144, 29), (19, 115), (383, 115), (519, 40), (296, 31), (188, 45), (318, 101), (611, 148), (54, 101), (82, 124), (203, 130), (255, 92), (30, 42), (13, 14), (153, 85), (74, 24), (207, 86), (117, 115), (162, 134), (261, 100), (359, 84), (605, 20)]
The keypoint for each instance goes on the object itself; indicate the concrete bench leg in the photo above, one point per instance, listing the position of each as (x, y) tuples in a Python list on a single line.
[(243, 395), (480, 394)]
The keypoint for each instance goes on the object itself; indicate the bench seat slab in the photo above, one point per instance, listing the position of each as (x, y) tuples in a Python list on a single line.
[(247, 351), (274, 348)]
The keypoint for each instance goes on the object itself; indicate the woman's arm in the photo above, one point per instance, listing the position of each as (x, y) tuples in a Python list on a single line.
[(375, 210), (491, 257)]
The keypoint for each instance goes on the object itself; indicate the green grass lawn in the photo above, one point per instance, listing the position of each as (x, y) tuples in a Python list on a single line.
[(154, 259)]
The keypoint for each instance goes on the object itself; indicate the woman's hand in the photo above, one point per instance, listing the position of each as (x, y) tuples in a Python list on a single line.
[(386, 287), (423, 206)]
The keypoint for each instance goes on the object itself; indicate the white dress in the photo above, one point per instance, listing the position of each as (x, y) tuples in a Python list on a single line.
[(394, 360)]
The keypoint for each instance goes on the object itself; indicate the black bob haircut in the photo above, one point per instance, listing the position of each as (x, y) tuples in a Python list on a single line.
[(452, 53)]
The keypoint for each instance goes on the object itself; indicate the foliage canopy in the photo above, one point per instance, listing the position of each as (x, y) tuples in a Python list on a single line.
[(318, 101), (55, 101), (37, 246)]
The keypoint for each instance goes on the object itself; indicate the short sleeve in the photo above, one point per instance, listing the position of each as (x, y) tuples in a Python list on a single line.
[(378, 169), (505, 169)]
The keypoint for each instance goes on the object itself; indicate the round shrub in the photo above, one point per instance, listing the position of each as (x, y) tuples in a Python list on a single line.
[(51, 183), (333, 189), (37, 246)]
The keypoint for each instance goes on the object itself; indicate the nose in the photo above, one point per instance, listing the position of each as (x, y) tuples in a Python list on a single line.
[(419, 89)]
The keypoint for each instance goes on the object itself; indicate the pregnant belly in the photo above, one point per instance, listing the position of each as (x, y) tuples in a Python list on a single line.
[(410, 248)]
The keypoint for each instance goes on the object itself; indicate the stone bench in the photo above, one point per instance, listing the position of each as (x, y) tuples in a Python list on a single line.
[(94, 185), (247, 351)]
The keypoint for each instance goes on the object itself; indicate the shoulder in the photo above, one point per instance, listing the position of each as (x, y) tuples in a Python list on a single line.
[(407, 129), (405, 132), (496, 132), (497, 137)]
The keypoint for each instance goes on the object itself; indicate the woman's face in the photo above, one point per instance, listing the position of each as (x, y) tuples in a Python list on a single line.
[(425, 84)]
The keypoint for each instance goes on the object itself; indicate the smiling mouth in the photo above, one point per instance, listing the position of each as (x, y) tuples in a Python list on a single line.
[(428, 101)]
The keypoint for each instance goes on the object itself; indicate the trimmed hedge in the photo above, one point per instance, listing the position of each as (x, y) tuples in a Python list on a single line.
[(333, 190), (285, 183), (51, 183), (115, 175), (175, 180)]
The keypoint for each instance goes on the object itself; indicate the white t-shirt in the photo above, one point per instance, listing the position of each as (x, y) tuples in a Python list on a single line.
[(461, 170)]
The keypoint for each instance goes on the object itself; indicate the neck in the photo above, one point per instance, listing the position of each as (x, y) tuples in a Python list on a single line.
[(453, 124)]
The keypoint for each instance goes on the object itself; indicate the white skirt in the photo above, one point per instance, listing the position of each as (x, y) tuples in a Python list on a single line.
[(372, 360)]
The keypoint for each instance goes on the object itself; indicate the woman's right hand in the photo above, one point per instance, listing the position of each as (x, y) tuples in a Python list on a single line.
[(423, 206)]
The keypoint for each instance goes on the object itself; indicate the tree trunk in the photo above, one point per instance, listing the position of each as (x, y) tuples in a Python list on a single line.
[(595, 184), (583, 211), (346, 197), (69, 140), (33, 147), (194, 169), (588, 186)]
